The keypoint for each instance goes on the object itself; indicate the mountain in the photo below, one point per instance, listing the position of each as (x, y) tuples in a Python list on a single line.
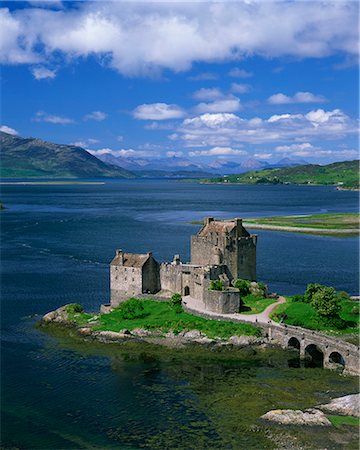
[(289, 162), (344, 174), (34, 158)]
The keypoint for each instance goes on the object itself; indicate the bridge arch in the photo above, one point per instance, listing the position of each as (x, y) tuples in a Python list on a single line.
[(294, 343), (337, 358), (314, 355)]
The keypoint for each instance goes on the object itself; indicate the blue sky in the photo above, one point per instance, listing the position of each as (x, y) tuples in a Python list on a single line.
[(200, 80)]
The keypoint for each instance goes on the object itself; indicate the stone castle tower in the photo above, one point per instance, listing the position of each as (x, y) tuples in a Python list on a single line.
[(225, 243)]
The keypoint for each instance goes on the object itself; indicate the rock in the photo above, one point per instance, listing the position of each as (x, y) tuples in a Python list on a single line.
[(193, 334), (242, 341), (58, 316), (85, 331), (349, 405), (297, 417), (141, 332), (256, 290)]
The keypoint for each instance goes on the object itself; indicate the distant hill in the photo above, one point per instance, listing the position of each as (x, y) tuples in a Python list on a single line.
[(34, 158), (344, 174)]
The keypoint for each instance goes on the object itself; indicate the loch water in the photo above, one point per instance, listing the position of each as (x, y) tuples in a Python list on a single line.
[(57, 393)]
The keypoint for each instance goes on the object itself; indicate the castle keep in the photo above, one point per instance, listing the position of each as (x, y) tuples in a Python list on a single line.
[(221, 250)]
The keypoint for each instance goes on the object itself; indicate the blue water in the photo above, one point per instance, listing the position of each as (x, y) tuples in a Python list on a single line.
[(57, 241)]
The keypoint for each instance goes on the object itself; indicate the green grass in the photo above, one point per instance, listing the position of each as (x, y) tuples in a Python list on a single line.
[(344, 174), (339, 421), (161, 316), (256, 304), (321, 221), (304, 315)]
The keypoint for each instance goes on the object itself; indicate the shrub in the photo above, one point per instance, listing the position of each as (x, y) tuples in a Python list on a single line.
[(131, 309), (216, 285), (243, 286), (310, 291), (263, 288), (298, 298), (326, 302), (355, 310), (175, 299), (281, 316), (74, 308), (343, 295)]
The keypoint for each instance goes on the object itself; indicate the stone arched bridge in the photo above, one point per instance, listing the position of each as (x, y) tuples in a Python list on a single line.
[(331, 351)]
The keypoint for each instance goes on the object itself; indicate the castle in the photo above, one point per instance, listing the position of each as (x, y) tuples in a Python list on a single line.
[(221, 250)]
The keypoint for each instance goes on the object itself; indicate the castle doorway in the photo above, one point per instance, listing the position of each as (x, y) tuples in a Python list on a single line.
[(186, 291)]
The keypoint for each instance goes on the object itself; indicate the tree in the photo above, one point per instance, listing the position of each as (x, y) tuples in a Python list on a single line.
[(243, 286), (326, 302), (311, 290), (216, 285)]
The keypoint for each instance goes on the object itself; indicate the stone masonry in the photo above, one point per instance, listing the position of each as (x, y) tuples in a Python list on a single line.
[(221, 250)]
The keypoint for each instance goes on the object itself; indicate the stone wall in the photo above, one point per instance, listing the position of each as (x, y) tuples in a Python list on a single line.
[(151, 276), (125, 282), (224, 302)]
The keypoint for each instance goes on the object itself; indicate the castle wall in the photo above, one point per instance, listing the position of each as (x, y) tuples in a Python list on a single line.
[(247, 258), (151, 276), (170, 277), (225, 302), (125, 282)]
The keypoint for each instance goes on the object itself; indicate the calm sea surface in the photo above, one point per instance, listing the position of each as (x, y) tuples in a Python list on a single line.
[(57, 241)]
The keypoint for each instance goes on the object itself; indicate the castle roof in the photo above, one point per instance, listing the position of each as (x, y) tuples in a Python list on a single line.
[(130, 259), (217, 227)]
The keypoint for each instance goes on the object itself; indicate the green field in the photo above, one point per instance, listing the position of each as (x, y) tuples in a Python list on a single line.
[(162, 316), (348, 222), (343, 174), (304, 315), (255, 305)]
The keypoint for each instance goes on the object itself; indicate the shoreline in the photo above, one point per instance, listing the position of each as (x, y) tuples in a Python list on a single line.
[(306, 230)]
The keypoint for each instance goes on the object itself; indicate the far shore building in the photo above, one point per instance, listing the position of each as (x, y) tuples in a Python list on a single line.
[(221, 250)]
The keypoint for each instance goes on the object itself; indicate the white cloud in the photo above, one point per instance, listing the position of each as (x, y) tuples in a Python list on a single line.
[(174, 154), (8, 130), (263, 155), (218, 151), (125, 153), (299, 97), (225, 129), (240, 88), (98, 116), (42, 116), (208, 94), (240, 73), (294, 148), (226, 104), (307, 150), (158, 111), (84, 143), (143, 38), (42, 73)]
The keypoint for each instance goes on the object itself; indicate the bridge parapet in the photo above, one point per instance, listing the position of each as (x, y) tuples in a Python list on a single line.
[(328, 345)]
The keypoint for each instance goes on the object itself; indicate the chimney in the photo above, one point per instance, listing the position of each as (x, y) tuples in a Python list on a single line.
[(238, 227), (176, 260), (120, 255), (207, 220)]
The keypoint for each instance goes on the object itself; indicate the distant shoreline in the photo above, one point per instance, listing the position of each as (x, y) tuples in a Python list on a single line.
[(51, 182)]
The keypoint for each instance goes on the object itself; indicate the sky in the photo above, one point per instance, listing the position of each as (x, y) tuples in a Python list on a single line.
[(199, 80)]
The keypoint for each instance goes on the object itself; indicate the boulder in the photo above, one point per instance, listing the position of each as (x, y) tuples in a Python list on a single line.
[(349, 405), (60, 315), (297, 417), (141, 332), (242, 341), (256, 290), (193, 334)]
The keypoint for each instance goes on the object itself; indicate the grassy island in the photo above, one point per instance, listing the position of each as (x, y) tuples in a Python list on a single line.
[(155, 315), (344, 223)]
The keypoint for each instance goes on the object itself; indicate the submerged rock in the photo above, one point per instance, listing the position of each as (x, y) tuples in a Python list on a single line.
[(349, 405), (297, 417)]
